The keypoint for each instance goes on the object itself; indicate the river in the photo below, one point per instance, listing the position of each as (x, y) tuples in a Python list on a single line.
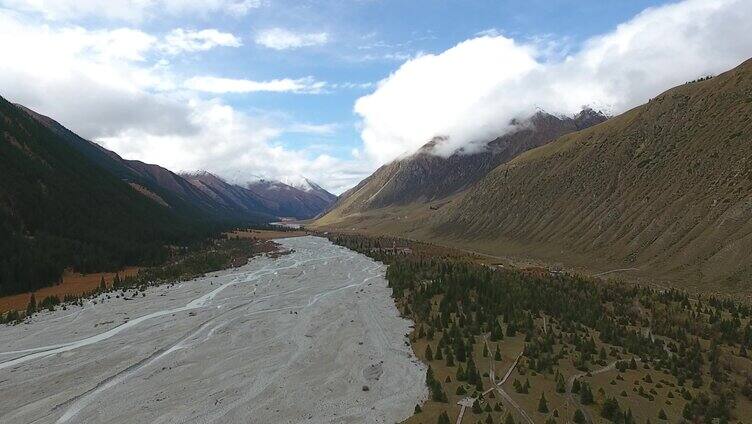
[(312, 336)]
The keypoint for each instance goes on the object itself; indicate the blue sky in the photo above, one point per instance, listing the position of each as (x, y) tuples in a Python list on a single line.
[(333, 89), (367, 40)]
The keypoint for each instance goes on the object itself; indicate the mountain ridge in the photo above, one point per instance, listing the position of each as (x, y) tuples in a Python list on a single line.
[(67, 202), (663, 191), (427, 177), (183, 192)]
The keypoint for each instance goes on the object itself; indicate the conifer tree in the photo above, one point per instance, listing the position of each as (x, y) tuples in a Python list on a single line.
[(32, 306), (542, 404)]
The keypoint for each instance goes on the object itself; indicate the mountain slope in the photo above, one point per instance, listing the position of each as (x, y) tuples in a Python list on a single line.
[(67, 202), (302, 201), (665, 188), (202, 195), (426, 177), (154, 181), (270, 197), (58, 208)]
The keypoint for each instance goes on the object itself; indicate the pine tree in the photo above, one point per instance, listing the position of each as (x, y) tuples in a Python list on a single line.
[(509, 419), (662, 415), (443, 418), (102, 285), (579, 417), (476, 407), (576, 386), (429, 353), (586, 395), (542, 404), (560, 384), (32, 306), (497, 354), (418, 409)]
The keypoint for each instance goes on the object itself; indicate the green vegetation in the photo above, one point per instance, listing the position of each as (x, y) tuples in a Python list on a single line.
[(183, 264), (663, 340), (59, 208)]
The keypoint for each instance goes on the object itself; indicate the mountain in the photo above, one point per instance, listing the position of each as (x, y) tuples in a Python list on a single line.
[(427, 177), (68, 202), (308, 186), (59, 208), (304, 201), (663, 191), (155, 182), (272, 197), (200, 195)]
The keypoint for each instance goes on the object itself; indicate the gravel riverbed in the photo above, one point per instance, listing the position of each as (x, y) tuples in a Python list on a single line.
[(312, 337)]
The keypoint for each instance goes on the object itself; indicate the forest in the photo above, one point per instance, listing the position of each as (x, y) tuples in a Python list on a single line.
[(587, 348), (183, 263), (59, 209)]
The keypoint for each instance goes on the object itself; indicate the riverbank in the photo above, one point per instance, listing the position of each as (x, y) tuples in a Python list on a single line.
[(311, 336)]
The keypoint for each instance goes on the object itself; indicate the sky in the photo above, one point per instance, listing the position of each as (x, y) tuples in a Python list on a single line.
[(331, 90)]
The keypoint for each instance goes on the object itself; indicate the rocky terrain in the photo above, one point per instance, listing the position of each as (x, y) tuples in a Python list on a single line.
[(312, 336)]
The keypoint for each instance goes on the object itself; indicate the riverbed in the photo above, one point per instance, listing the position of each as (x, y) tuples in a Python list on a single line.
[(312, 336)]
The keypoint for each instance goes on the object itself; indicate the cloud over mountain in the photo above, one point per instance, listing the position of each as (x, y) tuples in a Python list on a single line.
[(470, 92)]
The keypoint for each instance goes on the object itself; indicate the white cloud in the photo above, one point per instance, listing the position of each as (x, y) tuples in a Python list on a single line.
[(128, 10), (471, 91), (113, 87), (234, 145), (229, 85), (181, 40), (98, 80), (491, 32), (317, 129), (282, 39)]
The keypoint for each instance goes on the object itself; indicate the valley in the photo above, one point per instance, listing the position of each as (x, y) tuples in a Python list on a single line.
[(421, 212), (514, 346), (309, 336)]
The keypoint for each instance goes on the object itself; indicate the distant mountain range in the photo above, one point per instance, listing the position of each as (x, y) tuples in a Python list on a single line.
[(271, 197), (663, 191), (260, 200), (66, 201)]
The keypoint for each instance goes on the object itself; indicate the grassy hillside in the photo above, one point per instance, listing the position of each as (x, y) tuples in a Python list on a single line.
[(60, 209), (663, 191), (426, 177), (665, 188)]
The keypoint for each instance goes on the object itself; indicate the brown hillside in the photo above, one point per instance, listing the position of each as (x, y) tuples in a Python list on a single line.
[(426, 177), (665, 188)]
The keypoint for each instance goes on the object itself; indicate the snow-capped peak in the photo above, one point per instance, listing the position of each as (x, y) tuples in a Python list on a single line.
[(301, 183)]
